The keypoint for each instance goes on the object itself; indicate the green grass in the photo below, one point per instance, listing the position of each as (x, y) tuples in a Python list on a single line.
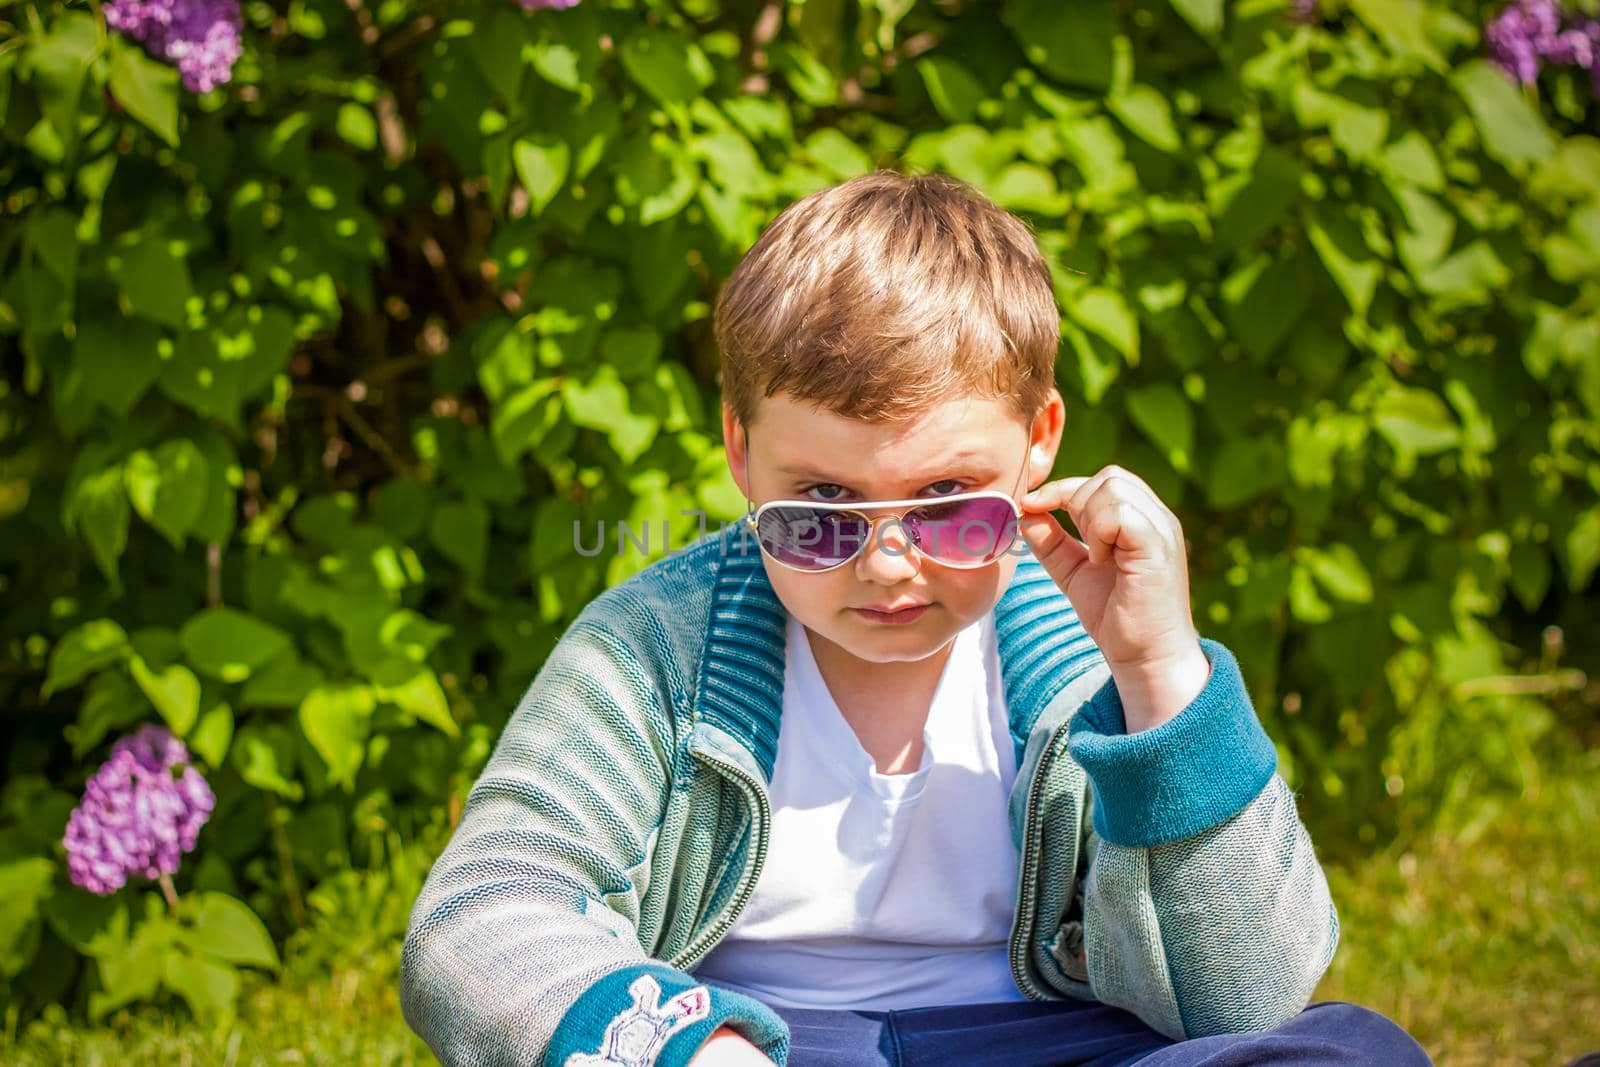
[(1482, 940)]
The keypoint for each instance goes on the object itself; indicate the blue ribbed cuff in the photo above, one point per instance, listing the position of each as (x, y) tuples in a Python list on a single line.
[(652, 1014), (1195, 770)]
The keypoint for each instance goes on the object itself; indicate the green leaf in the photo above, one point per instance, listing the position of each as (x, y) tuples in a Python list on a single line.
[(52, 235), (212, 734), (216, 521), (1147, 113), (1265, 200), (1474, 274), (1411, 160), (154, 281), (210, 988), (1244, 468), (1070, 42), (602, 404), (227, 929), (1513, 132), (168, 487), (1305, 603), (148, 90), (88, 922), (83, 650), (265, 758), (24, 885), (98, 506), (1339, 245), (542, 164), (60, 60), (120, 359), (1204, 15), (1415, 421), (666, 65), (282, 683), (131, 970), (229, 644), (1162, 412), (174, 691), (1105, 313), (1028, 187), (836, 154), (1340, 571), (111, 703), (1583, 549), (1265, 302), (422, 696), (1402, 24), (1430, 229), (954, 90), (336, 720), (1530, 573), (809, 77), (496, 49), (460, 530)]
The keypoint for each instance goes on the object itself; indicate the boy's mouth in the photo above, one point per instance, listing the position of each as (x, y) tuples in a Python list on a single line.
[(905, 613)]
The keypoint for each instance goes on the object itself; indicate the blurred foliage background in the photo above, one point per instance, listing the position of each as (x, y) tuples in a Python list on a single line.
[(308, 377)]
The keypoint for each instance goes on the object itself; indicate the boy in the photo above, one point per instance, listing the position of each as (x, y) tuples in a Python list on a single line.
[(842, 785)]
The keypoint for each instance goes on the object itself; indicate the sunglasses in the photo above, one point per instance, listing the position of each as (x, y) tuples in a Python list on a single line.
[(962, 530)]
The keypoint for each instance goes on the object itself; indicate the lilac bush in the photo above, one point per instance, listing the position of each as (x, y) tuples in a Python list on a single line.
[(141, 811), (200, 37), (1531, 33)]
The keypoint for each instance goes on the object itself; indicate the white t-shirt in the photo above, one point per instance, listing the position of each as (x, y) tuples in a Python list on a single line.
[(884, 892)]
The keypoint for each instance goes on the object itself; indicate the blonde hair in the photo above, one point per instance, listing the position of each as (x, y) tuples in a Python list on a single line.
[(881, 296)]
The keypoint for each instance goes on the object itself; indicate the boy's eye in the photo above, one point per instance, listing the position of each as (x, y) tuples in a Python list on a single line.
[(826, 491)]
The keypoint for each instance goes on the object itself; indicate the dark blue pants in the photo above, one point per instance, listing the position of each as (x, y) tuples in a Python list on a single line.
[(1075, 1033)]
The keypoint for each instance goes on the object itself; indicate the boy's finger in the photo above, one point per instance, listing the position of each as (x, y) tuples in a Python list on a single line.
[(1052, 495), (1057, 551)]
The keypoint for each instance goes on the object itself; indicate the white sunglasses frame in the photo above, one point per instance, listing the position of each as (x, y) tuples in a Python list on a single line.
[(753, 518)]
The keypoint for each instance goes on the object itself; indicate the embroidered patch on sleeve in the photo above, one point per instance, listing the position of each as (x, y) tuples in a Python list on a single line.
[(635, 1035)]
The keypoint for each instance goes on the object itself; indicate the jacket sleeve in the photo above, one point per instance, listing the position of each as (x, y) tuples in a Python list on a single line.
[(1205, 909), (523, 947)]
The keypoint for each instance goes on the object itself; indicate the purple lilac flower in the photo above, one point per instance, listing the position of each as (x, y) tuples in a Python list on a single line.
[(140, 812), (200, 37), (1303, 11), (1530, 33), (1521, 35), (535, 5)]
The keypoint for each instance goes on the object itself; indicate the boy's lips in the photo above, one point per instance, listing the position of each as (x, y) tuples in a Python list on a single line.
[(890, 609), (909, 612)]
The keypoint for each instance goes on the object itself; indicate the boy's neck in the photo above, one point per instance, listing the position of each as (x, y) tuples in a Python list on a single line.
[(886, 704)]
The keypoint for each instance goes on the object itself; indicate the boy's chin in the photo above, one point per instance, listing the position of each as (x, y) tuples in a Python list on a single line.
[(881, 642)]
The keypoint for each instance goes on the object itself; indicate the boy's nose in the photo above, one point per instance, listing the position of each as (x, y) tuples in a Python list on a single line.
[(887, 556)]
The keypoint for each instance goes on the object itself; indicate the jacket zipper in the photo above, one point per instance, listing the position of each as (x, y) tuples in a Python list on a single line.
[(691, 955), (1030, 863)]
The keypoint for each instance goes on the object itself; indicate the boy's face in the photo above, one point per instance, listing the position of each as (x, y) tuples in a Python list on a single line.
[(795, 451)]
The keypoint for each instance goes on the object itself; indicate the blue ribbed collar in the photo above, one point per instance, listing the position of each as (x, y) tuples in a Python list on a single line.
[(1042, 648)]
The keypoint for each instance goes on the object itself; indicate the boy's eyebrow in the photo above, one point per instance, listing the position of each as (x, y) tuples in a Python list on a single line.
[(955, 460)]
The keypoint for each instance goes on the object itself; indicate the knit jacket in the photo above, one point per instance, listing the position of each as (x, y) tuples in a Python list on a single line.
[(622, 820)]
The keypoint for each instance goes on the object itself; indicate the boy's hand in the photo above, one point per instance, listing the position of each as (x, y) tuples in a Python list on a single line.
[(729, 1048), (1128, 579)]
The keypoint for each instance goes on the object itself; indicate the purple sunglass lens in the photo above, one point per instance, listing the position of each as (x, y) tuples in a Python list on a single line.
[(811, 538), (964, 531)]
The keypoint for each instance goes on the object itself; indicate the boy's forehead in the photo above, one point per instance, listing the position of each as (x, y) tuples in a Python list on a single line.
[(977, 434)]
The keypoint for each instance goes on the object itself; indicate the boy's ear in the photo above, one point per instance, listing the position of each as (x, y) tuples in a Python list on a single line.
[(736, 444), (1045, 438)]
